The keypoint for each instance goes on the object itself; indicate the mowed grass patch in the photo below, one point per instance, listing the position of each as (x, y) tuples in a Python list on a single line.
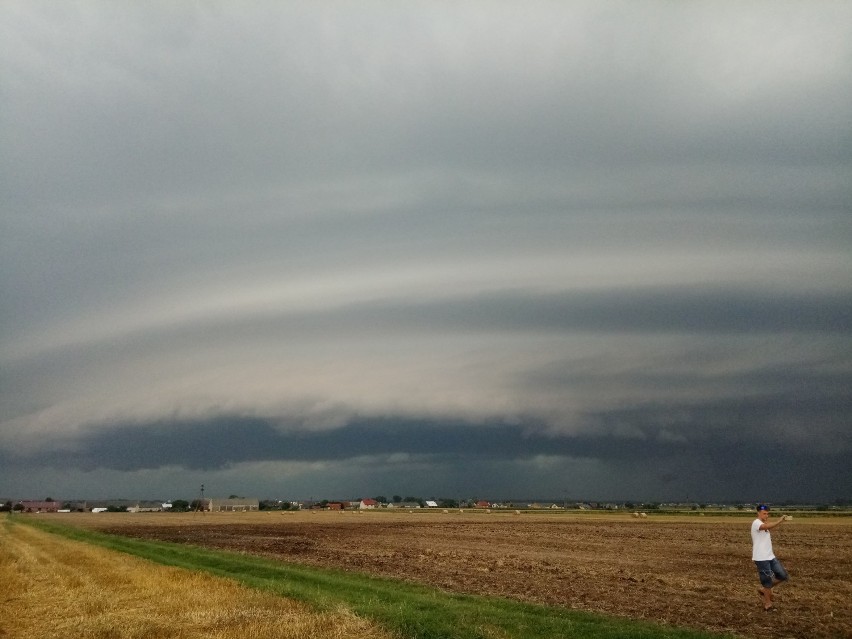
[(55, 587), (409, 610)]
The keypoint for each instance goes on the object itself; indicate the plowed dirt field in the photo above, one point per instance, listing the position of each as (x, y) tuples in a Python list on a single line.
[(687, 571)]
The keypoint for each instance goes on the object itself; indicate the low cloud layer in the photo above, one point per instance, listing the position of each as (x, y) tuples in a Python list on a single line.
[(289, 250)]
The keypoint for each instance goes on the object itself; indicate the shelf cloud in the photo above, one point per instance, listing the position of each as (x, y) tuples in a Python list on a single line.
[(598, 250)]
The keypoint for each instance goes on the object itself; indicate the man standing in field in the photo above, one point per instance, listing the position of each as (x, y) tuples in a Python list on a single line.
[(769, 569)]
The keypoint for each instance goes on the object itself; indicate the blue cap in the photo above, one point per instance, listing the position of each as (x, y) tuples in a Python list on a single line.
[(763, 507)]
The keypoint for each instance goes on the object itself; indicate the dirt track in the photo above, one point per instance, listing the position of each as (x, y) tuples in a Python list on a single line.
[(687, 572)]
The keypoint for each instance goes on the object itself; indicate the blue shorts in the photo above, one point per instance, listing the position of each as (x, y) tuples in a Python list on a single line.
[(769, 569)]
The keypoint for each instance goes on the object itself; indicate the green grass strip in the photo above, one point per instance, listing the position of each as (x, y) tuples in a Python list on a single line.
[(410, 610)]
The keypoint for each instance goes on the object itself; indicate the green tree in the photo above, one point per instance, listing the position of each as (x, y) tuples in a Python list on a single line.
[(397, 499), (180, 505)]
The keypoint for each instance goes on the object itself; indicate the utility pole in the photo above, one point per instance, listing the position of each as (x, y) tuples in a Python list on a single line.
[(200, 505)]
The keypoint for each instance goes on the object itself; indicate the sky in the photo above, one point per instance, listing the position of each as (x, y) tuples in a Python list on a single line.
[(497, 250)]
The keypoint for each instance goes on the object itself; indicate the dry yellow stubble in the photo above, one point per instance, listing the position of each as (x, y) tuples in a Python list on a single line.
[(55, 588)]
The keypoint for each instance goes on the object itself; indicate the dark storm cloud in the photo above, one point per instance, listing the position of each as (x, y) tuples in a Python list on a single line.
[(697, 364), (479, 237), (222, 441), (695, 309), (725, 441), (789, 412), (698, 310)]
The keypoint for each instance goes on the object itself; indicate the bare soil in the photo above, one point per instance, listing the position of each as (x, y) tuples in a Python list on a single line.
[(685, 571)]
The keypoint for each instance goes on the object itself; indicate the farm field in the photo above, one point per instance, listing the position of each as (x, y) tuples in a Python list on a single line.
[(686, 571)]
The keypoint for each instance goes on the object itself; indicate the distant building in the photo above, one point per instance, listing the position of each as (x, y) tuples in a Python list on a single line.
[(128, 505), (31, 506), (368, 504), (404, 504), (234, 504), (148, 507)]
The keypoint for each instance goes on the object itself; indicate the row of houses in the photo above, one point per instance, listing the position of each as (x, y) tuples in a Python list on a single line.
[(243, 504), (370, 504), (231, 504), (129, 505), (52, 506)]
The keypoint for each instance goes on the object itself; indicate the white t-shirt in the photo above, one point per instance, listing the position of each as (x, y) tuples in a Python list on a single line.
[(761, 543)]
